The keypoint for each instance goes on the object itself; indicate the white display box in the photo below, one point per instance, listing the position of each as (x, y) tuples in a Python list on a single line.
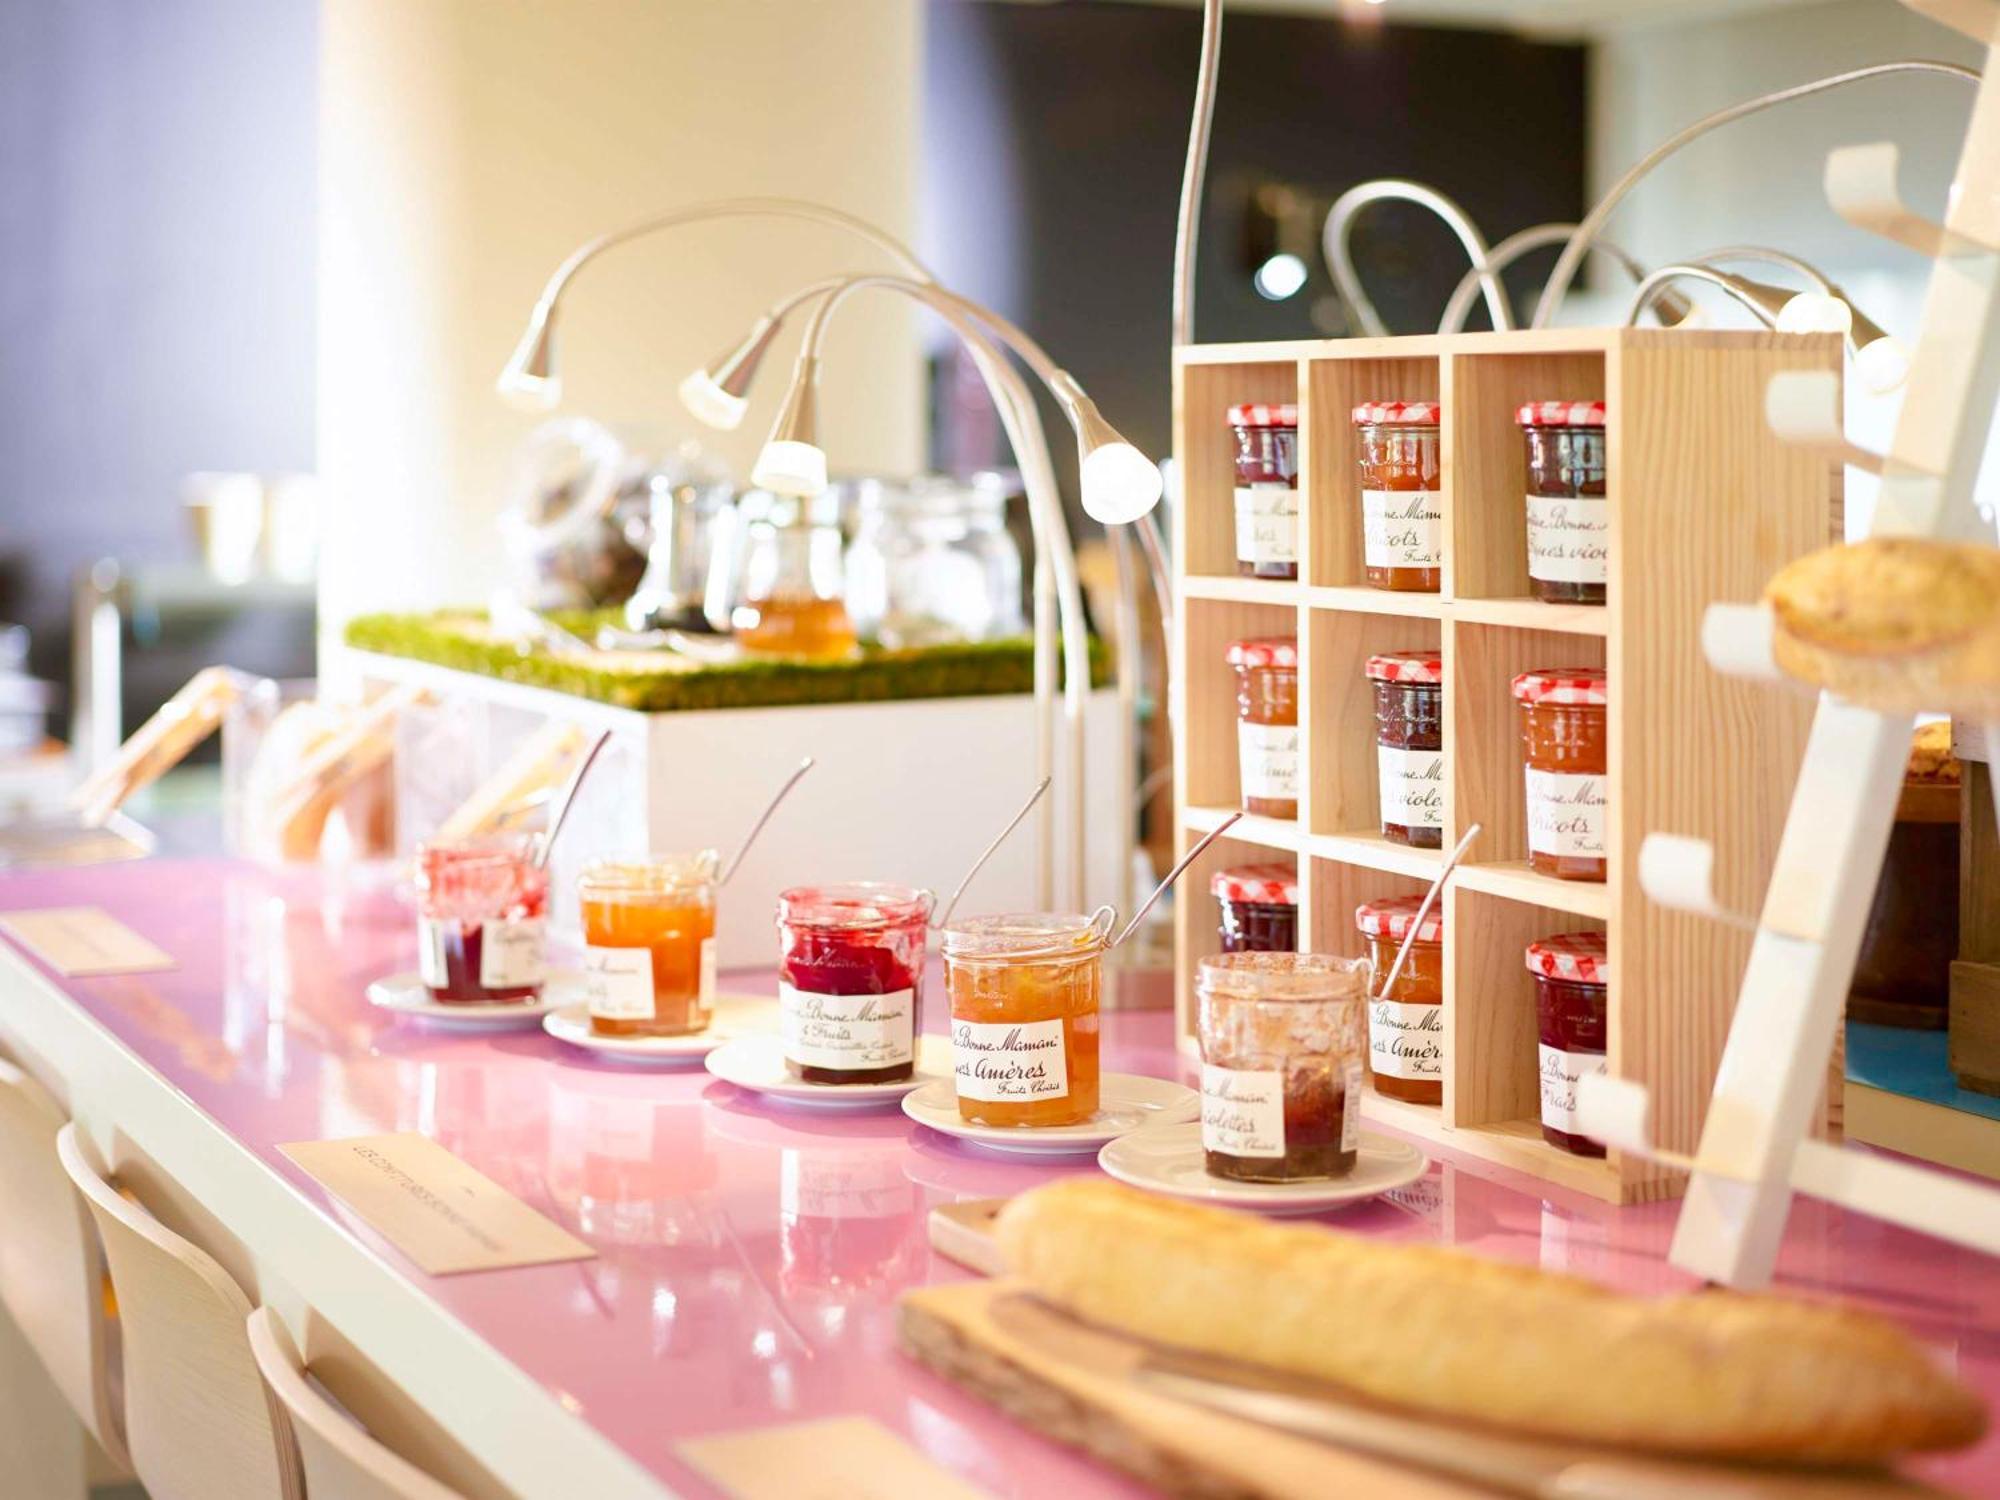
[(906, 791)]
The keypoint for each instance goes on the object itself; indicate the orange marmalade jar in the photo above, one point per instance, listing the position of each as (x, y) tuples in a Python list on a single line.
[(1406, 1025), (1267, 723), (1563, 737), (649, 943), (1024, 992), (1402, 516)]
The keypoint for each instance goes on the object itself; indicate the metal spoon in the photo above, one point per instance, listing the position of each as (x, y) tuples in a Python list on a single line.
[(1172, 875), (985, 854), (1424, 908), (763, 818), (565, 799)]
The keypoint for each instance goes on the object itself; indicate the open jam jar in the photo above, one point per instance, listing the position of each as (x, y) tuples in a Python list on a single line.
[(1571, 979), (482, 905), (1402, 516), (1409, 745), (649, 943), (1025, 991), (1267, 483), (1563, 737), (1569, 519), (1267, 723), (850, 980), (1260, 908), (1281, 1038), (1405, 1025)]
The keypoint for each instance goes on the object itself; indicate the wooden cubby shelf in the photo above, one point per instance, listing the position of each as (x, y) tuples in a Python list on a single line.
[(1705, 504)]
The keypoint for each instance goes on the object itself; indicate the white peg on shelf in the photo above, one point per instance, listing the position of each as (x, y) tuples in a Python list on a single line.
[(1803, 408), (1862, 187), (1678, 872), (1736, 639)]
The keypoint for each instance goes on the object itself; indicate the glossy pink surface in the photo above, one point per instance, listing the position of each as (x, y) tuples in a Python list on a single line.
[(750, 1256)]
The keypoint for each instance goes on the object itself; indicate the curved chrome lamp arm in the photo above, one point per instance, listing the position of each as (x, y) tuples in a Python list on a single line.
[(1738, 290), (1572, 257), (1187, 230), (1521, 242), (1339, 222)]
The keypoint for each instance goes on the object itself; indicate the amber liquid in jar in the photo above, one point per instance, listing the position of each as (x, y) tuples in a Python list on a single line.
[(1567, 761), (1409, 760), (1024, 993), (1281, 1037), (1266, 501), (1406, 1025), (816, 629), (1569, 519), (1401, 507), (649, 944), (1570, 1024), (1267, 733)]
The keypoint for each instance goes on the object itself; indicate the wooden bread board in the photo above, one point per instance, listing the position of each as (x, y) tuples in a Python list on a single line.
[(1081, 1386), (963, 1232)]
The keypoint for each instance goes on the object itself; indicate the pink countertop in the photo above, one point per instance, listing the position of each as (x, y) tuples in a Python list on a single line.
[(750, 1256)]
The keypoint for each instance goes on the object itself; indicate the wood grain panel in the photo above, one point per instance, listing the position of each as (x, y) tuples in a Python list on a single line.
[(1206, 519), (1198, 917), (1341, 791)]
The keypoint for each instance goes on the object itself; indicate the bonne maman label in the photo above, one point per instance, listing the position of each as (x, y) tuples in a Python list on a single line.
[(1017, 1061)]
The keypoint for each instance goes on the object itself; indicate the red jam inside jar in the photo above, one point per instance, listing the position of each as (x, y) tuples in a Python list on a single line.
[(1267, 483), (1409, 745), (1569, 518), (482, 906), (1565, 744), (1572, 978), (1260, 908), (850, 981), (1402, 505)]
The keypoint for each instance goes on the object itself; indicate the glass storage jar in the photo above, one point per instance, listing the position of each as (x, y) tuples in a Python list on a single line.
[(793, 600), (1563, 737), (1024, 992), (1267, 484), (1281, 1041), (1402, 516), (850, 981), (1572, 971), (1569, 519), (649, 943), (482, 905), (1260, 908), (1406, 1025), (1267, 723), (932, 561), (1409, 745)]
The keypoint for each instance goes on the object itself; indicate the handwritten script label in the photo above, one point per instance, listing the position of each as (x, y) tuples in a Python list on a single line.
[(847, 1031), (1011, 1060), (1565, 813), (1402, 528), (1243, 1111)]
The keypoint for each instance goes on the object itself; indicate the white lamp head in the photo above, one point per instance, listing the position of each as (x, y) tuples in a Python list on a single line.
[(1815, 312), (529, 380), (706, 399), (718, 393), (1881, 363), (1120, 484), (792, 462)]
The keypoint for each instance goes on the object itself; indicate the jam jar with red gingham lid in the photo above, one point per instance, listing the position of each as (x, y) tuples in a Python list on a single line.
[(1402, 514), (1569, 518), (1406, 1023), (1260, 908), (1572, 972), (1409, 745), (1267, 723), (1267, 489), (1564, 742)]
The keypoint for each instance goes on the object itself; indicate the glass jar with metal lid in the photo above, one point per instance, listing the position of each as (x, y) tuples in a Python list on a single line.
[(1402, 479), (1267, 484), (1569, 518)]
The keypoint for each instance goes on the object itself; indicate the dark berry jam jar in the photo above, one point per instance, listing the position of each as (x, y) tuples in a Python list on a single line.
[(1409, 745), (1260, 908), (481, 908), (1572, 973), (850, 978), (1267, 484), (1569, 518)]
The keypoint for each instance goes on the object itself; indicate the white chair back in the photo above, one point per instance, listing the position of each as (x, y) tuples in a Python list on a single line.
[(342, 1461), (52, 1277), (199, 1423)]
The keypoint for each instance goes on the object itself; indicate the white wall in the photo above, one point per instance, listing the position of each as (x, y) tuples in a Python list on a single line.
[(467, 145)]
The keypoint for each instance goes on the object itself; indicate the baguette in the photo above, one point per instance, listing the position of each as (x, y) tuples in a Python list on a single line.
[(1715, 1374)]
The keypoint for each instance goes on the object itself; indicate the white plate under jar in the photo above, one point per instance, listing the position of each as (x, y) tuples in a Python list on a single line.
[(1125, 1102)]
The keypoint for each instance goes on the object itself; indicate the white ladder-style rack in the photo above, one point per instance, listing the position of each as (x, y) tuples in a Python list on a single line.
[(1756, 1148)]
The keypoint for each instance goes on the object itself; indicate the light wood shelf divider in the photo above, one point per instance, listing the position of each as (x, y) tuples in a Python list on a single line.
[(1705, 504)]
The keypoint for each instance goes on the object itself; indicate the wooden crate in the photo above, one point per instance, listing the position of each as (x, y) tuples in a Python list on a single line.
[(1705, 505)]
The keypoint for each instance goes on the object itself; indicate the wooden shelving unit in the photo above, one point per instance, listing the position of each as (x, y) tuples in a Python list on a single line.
[(1705, 504)]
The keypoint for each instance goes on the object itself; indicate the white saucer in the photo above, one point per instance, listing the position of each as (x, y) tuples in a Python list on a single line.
[(757, 1063), (734, 1016), (405, 995), (1169, 1160), (1126, 1102)]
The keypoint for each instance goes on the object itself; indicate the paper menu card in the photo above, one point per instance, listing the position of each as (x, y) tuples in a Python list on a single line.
[(79, 941), (433, 1207), (838, 1458)]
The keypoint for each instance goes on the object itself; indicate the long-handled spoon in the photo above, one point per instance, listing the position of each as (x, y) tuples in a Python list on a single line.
[(565, 798), (985, 854), (763, 818), (1424, 907), (1172, 875)]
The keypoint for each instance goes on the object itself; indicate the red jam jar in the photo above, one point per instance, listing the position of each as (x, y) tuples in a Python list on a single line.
[(1267, 723), (1402, 515), (1563, 739), (1569, 519), (850, 981), (1571, 972), (1409, 745), (1267, 485), (1406, 1024), (482, 905), (1260, 908)]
